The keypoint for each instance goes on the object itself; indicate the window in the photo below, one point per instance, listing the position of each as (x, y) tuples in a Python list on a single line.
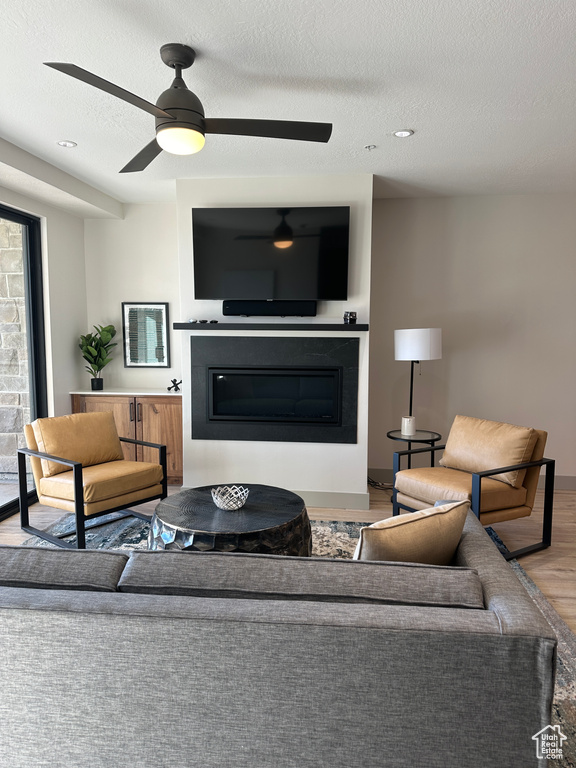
[(22, 350)]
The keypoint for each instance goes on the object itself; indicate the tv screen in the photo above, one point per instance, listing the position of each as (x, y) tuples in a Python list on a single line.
[(271, 253)]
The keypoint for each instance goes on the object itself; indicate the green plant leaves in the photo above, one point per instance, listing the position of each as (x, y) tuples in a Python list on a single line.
[(95, 348)]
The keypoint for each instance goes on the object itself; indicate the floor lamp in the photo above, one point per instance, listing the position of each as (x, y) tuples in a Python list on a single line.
[(416, 344)]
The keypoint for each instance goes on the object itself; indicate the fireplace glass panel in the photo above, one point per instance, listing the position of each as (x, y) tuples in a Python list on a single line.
[(275, 395)]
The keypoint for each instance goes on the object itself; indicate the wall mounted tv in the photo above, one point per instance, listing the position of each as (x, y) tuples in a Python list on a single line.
[(289, 254)]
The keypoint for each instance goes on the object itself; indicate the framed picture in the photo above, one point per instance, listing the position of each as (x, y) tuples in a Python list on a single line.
[(145, 332)]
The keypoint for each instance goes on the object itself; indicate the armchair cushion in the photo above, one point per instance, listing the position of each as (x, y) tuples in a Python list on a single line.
[(430, 484), (104, 481), (477, 445), (428, 536), (90, 438)]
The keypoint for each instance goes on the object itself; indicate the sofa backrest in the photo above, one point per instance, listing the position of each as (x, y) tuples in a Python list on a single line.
[(43, 568), (304, 579), (241, 576)]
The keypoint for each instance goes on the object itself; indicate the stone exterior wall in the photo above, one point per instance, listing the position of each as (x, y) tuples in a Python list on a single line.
[(14, 388)]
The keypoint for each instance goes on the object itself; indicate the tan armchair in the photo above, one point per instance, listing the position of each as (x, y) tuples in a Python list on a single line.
[(493, 464), (78, 466)]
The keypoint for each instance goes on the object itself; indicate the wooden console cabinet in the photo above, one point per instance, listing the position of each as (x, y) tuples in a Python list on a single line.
[(154, 418)]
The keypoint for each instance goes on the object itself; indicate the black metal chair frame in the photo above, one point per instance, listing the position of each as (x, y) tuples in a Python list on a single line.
[(477, 477), (80, 517)]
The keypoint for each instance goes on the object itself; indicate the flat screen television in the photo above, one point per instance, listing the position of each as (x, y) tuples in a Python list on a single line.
[(271, 253)]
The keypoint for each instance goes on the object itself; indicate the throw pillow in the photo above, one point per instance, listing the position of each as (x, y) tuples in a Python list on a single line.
[(427, 536)]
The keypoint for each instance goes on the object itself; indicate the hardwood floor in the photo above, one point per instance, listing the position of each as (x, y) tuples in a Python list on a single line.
[(552, 569)]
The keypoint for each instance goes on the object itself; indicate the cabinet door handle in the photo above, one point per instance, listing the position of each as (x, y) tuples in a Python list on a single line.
[(131, 411), (139, 412)]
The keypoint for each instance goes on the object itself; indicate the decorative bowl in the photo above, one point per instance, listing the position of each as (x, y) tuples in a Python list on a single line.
[(230, 496)]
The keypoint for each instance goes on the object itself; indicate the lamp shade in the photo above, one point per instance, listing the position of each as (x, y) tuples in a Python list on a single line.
[(418, 344)]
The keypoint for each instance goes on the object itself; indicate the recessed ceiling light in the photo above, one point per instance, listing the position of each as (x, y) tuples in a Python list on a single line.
[(404, 133), (67, 144)]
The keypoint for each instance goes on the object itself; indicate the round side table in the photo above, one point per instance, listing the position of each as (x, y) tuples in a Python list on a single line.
[(424, 436)]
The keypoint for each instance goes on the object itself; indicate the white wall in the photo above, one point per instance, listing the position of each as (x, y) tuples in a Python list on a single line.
[(133, 259), (498, 275), (326, 475), (64, 293)]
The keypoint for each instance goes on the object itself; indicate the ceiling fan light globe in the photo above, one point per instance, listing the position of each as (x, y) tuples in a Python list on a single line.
[(180, 141), (282, 243)]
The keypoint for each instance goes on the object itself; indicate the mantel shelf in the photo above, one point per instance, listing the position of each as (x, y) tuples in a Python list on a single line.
[(346, 327)]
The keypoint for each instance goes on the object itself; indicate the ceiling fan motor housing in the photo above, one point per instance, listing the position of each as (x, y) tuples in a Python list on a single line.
[(186, 107)]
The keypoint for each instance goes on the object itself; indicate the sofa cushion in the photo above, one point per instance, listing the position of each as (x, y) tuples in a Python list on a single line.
[(104, 481), (476, 445), (274, 577), (428, 536), (41, 568), (90, 438), (430, 484)]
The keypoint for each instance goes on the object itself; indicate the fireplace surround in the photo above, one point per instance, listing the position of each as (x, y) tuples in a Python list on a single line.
[(288, 389)]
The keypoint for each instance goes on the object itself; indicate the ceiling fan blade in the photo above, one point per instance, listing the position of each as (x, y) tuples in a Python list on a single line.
[(273, 129), (107, 87), (143, 158)]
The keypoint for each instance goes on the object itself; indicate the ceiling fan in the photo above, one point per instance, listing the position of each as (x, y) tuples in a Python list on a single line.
[(180, 122)]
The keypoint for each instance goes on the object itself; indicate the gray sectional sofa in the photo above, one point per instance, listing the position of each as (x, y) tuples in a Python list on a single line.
[(252, 661)]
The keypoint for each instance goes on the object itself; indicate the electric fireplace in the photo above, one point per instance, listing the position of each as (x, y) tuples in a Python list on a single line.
[(274, 395)]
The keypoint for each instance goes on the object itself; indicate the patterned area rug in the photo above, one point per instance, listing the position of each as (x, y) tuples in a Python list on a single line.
[(332, 538), (329, 538)]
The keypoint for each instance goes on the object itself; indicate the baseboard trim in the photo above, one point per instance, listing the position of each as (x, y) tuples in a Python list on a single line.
[(335, 500), (327, 499), (561, 482)]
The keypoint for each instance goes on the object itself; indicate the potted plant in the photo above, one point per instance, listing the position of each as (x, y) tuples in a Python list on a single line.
[(95, 350)]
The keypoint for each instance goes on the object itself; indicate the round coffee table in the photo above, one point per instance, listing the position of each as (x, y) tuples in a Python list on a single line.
[(273, 521)]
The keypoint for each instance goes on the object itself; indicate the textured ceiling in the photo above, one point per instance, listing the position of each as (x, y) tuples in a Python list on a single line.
[(488, 86)]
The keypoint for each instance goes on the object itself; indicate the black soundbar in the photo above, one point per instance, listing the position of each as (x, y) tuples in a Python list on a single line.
[(256, 308)]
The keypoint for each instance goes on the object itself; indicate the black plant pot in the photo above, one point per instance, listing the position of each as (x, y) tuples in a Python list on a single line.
[(97, 384)]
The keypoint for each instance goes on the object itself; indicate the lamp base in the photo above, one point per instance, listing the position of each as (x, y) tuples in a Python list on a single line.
[(408, 426)]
